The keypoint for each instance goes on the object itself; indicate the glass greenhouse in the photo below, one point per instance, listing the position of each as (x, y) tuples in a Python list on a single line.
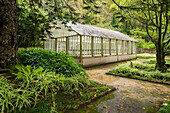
[(90, 45)]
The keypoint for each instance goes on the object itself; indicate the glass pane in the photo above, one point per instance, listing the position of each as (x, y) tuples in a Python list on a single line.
[(106, 46), (129, 47), (119, 46), (50, 44), (134, 47), (70, 45), (97, 46), (47, 44), (61, 44), (113, 47), (86, 46), (74, 46), (125, 47)]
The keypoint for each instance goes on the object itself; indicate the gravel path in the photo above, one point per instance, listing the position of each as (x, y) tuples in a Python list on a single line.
[(131, 96)]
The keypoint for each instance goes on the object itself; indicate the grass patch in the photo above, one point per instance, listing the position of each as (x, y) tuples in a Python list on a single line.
[(159, 107), (146, 55), (153, 61), (168, 61), (140, 70), (165, 107)]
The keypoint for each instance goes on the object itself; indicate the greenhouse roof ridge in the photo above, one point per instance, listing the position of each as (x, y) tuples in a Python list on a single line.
[(89, 30)]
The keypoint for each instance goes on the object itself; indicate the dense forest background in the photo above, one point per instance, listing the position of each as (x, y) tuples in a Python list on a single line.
[(101, 13), (145, 20)]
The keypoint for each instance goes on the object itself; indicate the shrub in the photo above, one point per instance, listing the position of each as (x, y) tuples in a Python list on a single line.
[(135, 71), (31, 84), (13, 98), (128, 74), (51, 61)]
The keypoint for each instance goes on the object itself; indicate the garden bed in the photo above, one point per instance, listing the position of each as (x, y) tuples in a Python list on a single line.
[(44, 82), (140, 71), (71, 101), (138, 78)]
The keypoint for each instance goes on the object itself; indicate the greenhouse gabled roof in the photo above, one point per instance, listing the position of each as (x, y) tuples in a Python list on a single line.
[(89, 30)]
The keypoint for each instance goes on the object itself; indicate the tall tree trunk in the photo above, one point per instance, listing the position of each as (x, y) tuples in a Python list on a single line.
[(160, 57), (8, 32)]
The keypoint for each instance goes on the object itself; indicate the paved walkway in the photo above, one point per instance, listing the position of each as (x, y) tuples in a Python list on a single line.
[(131, 96)]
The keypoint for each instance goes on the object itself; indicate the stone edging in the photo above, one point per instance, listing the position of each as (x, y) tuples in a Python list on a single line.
[(93, 99), (154, 81)]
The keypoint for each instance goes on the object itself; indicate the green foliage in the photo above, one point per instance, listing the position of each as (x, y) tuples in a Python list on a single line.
[(12, 98), (123, 68), (152, 61), (140, 70), (104, 106), (51, 61), (146, 67), (33, 24), (165, 109), (141, 43), (65, 101), (146, 55), (30, 85)]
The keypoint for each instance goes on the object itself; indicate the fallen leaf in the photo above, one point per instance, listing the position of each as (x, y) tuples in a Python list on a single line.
[(151, 101), (2, 77), (165, 98), (104, 106), (157, 105), (94, 95), (88, 106), (108, 89), (38, 99), (164, 104)]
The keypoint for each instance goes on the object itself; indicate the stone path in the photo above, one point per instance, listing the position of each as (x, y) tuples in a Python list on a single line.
[(131, 96)]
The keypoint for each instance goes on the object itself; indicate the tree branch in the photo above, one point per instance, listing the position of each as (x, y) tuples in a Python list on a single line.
[(150, 17), (166, 27), (147, 30), (127, 7), (167, 53), (166, 43)]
